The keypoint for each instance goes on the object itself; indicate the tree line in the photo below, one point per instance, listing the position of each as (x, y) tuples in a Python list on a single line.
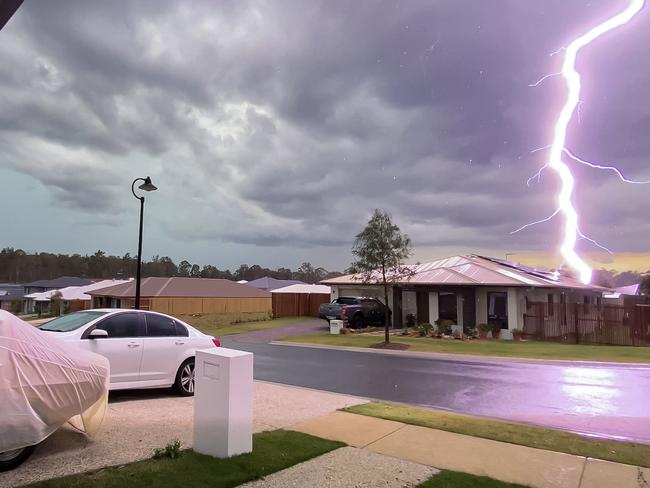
[(18, 266)]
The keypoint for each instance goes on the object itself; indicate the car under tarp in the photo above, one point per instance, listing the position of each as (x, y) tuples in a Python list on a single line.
[(44, 383)]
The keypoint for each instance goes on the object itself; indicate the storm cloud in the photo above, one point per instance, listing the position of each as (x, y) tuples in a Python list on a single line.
[(283, 124)]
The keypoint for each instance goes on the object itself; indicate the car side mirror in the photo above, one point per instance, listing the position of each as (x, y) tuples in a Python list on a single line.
[(97, 334)]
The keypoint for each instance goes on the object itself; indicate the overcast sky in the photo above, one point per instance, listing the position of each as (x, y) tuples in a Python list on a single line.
[(273, 128)]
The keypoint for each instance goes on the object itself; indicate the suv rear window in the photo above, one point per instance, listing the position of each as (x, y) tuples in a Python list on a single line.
[(347, 301)]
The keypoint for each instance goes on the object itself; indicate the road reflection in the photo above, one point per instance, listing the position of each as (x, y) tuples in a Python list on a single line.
[(593, 391)]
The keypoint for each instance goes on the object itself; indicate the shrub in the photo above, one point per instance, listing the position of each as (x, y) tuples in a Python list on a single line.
[(16, 307), (344, 330), (425, 329), (171, 450), (410, 320), (444, 326)]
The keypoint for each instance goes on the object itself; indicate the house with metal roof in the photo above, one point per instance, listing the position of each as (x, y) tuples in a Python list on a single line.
[(472, 289), (30, 305), (180, 295), (11, 296)]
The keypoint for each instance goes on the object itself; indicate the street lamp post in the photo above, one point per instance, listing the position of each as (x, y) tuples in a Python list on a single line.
[(146, 186)]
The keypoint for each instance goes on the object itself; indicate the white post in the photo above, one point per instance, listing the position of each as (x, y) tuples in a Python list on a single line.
[(223, 402), (434, 314)]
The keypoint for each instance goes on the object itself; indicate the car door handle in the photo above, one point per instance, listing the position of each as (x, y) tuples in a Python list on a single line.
[(134, 344), (179, 343)]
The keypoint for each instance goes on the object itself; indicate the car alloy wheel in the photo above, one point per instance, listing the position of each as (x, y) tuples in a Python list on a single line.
[(187, 378)]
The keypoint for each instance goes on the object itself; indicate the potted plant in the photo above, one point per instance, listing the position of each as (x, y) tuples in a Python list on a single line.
[(517, 334), (483, 330), (496, 331)]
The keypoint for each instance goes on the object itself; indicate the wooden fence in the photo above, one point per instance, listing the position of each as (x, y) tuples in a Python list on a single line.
[(623, 325), (298, 304)]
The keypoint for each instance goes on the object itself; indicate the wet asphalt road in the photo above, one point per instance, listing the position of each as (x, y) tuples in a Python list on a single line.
[(607, 401)]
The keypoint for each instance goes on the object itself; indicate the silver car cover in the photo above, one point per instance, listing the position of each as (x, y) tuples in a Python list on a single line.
[(45, 382)]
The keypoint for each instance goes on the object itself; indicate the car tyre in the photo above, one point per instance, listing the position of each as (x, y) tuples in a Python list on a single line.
[(358, 322), (11, 459), (184, 383)]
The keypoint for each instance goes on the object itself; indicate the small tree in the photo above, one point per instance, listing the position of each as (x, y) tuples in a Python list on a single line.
[(56, 304), (380, 250)]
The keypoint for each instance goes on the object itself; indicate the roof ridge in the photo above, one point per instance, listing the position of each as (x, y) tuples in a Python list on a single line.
[(162, 288)]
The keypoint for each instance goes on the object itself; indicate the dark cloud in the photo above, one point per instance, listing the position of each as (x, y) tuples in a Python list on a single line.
[(285, 123)]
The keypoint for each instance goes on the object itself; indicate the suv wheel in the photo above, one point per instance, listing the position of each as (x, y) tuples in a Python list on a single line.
[(358, 322), (184, 384)]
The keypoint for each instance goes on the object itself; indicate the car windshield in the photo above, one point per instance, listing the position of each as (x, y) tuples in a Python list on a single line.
[(71, 322)]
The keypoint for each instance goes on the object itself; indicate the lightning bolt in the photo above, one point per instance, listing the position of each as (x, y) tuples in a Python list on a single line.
[(571, 231)]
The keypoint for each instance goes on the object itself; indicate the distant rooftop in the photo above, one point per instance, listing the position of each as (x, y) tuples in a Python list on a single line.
[(268, 283), (60, 282)]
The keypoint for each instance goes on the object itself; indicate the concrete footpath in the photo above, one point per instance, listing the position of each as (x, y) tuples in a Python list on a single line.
[(445, 450)]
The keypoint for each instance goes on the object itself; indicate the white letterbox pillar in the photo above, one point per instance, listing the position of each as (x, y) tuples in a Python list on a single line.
[(223, 402)]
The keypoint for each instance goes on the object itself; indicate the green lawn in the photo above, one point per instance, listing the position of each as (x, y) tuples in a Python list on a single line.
[(272, 451), (223, 324), (525, 435), (453, 479), (527, 349)]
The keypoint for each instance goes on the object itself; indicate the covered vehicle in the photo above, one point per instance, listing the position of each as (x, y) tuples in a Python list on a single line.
[(44, 383)]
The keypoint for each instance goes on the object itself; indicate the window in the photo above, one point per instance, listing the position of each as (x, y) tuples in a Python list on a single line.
[(122, 325), (550, 305), (371, 304), (71, 322), (159, 326), (347, 300), (181, 330)]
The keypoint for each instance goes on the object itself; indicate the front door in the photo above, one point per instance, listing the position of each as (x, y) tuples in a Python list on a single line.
[(497, 302)]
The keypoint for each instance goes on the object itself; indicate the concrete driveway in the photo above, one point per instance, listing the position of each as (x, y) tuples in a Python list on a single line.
[(139, 421)]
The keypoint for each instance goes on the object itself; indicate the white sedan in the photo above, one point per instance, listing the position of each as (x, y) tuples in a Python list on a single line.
[(144, 349)]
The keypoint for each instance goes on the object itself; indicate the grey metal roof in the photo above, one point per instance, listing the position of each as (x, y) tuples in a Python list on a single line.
[(60, 282), (477, 270), (10, 292)]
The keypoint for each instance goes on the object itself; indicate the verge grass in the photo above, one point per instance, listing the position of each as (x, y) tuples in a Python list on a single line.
[(508, 349), (272, 451), (521, 434)]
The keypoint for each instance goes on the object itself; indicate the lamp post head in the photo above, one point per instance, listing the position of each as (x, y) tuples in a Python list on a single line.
[(147, 185)]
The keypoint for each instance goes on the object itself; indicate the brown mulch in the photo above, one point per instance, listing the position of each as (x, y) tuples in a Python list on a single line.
[(390, 345)]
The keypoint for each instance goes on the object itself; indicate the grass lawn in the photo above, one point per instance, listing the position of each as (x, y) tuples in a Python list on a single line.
[(453, 479), (525, 435), (272, 451), (223, 324), (527, 349)]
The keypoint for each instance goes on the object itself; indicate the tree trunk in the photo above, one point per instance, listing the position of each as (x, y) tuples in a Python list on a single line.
[(387, 314)]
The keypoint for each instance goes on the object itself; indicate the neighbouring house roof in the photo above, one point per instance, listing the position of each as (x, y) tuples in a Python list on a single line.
[(268, 283), (181, 287), (473, 269), (623, 290), (303, 288), (10, 292), (60, 282)]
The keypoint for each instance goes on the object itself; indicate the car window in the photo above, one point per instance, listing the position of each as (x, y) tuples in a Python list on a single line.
[(346, 301), (371, 304), (71, 322), (160, 326), (181, 330), (122, 325)]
